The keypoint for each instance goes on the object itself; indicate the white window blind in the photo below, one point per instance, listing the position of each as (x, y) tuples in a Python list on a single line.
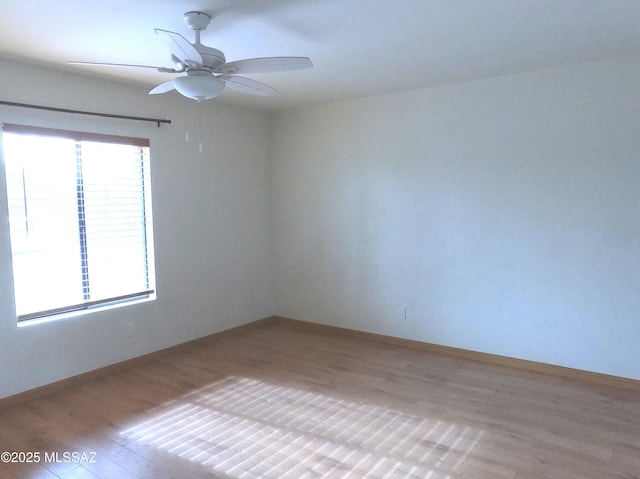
[(80, 219)]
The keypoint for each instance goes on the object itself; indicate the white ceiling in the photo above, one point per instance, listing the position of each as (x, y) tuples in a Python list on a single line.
[(358, 47)]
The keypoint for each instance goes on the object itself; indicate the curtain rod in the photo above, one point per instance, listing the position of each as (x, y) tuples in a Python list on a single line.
[(79, 112)]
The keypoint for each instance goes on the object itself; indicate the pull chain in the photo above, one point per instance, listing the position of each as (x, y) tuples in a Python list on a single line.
[(186, 127), (200, 127)]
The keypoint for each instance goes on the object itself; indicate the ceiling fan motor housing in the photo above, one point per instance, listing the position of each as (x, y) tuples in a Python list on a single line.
[(211, 57)]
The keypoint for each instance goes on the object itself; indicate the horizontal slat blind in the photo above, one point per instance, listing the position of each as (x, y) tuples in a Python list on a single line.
[(80, 219)]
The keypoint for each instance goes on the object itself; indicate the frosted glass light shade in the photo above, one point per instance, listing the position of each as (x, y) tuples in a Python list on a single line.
[(199, 88)]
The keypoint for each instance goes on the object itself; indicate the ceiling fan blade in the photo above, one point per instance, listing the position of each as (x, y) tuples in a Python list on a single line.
[(247, 85), (163, 88), (99, 64), (265, 65), (181, 48)]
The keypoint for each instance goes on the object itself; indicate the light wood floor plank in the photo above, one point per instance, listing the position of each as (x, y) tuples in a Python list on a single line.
[(285, 400)]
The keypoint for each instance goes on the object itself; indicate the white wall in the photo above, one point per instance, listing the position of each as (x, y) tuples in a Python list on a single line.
[(504, 214), (210, 220)]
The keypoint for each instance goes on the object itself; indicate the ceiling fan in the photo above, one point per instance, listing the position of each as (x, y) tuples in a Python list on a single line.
[(206, 69)]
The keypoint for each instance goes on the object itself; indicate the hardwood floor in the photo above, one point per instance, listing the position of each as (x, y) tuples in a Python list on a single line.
[(282, 400)]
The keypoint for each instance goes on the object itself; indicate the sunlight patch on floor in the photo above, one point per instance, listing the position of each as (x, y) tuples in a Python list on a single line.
[(247, 428)]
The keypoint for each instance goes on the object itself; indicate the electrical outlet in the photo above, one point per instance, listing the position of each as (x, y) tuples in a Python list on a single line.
[(402, 313), (131, 329)]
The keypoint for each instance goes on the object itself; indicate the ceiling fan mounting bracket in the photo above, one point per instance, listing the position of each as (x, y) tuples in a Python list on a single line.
[(197, 20)]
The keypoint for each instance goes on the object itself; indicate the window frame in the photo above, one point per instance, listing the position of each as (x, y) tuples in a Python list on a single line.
[(149, 257)]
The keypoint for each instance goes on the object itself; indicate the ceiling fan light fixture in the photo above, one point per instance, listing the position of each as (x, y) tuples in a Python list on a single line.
[(199, 88)]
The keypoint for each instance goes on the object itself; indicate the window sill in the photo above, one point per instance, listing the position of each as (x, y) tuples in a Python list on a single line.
[(82, 312)]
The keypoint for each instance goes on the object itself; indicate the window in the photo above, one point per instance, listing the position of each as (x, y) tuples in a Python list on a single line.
[(80, 219)]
